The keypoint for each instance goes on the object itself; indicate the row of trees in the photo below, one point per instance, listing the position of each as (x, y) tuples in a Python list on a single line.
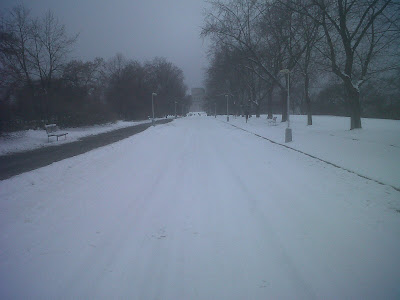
[(39, 84), (348, 47)]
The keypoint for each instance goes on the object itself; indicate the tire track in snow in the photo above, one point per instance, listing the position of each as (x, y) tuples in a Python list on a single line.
[(279, 251), (291, 214), (120, 235)]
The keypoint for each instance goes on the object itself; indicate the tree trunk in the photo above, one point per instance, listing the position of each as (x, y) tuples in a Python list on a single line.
[(355, 116), (257, 110), (284, 105), (269, 102), (308, 100), (353, 98), (309, 115)]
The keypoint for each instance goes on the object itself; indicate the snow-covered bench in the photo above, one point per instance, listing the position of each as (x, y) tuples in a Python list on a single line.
[(272, 121), (53, 130)]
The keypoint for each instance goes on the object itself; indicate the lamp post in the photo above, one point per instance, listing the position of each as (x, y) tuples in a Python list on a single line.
[(288, 131), (227, 107), (152, 107), (175, 109), (215, 109)]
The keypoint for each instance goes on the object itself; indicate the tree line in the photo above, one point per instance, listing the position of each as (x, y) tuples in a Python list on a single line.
[(39, 84), (340, 56)]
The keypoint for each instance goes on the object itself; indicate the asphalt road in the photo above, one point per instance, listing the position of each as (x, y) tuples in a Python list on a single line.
[(14, 164)]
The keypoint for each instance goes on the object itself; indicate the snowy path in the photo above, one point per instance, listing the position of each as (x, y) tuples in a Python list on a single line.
[(196, 209)]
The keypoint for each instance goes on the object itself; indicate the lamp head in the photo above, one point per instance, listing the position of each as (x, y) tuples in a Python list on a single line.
[(285, 71)]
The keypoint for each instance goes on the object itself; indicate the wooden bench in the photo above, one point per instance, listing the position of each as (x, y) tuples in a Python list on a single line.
[(53, 130), (272, 121)]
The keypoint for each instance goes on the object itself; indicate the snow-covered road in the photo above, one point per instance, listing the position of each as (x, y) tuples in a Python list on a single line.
[(196, 209)]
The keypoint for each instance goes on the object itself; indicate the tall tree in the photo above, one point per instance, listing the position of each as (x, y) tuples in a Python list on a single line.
[(51, 44), (16, 38), (33, 50), (356, 33), (258, 28), (167, 80)]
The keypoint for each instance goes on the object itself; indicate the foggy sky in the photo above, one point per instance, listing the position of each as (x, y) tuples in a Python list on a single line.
[(139, 29)]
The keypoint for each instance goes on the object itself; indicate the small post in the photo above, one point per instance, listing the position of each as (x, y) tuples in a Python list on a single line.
[(227, 107), (152, 107), (288, 130)]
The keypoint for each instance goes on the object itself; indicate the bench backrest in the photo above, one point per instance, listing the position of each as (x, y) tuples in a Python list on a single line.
[(51, 128)]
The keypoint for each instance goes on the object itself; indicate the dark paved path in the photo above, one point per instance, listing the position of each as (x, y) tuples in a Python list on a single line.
[(14, 164)]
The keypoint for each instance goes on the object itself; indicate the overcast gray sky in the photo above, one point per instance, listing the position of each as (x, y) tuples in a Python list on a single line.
[(139, 29)]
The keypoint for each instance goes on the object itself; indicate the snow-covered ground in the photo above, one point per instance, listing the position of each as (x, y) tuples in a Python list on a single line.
[(32, 139), (373, 151), (197, 209)]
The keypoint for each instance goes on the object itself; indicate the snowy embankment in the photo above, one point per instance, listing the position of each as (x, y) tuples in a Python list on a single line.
[(19, 141), (373, 151), (197, 209)]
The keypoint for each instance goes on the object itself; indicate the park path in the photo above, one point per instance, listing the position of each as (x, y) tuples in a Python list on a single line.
[(17, 163)]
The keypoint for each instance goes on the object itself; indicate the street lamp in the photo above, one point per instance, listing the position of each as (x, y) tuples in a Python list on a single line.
[(288, 131), (215, 109), (175, 109), (227, 107), (152, 106)]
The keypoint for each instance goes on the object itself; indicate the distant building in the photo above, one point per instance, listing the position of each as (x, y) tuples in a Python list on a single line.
[(198, 96)]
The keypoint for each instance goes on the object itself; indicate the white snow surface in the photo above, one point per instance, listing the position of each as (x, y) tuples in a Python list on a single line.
[(25, 140), (197, 209), (373, 151)]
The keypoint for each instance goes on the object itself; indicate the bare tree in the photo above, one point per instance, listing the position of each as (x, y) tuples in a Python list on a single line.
[(311, 35), (356, 33), (267, 35), (167, 80), (51, 46), (34, 50), (14, 44)]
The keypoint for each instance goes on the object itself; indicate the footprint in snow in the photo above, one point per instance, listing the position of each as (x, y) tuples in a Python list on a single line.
[(264, 284), (160, 235)]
